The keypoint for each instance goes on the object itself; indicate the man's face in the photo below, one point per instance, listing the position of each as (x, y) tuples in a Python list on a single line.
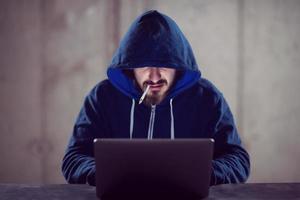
[(160, 80)]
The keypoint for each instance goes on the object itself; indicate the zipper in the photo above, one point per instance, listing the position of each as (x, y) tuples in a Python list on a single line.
[(151, 122)]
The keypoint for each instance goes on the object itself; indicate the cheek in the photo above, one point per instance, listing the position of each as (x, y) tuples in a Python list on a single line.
[(170, 78), (140, 80)]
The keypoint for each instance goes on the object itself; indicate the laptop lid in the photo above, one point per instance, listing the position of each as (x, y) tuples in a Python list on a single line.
[(153, 168)]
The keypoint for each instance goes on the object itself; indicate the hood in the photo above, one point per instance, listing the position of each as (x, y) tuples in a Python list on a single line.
[(155, 40)]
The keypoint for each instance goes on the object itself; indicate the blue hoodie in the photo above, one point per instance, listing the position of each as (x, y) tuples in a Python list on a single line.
[(193, 108)]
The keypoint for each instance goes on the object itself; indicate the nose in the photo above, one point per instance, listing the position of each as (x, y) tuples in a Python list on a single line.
[(154, 74)]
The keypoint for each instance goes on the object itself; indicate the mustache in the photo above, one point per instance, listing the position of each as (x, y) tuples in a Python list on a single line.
[(149, 82)]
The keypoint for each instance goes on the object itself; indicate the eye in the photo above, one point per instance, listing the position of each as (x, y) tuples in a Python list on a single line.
[(144, 68), (166, 69), (141, 69)]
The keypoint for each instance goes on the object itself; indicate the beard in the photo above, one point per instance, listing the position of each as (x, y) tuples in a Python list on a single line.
[(155, 97)]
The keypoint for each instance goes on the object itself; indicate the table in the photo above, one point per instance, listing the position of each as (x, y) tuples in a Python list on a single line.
[(85, 192)]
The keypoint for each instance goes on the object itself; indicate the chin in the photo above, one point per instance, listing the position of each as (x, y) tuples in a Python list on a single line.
[(155, 98)]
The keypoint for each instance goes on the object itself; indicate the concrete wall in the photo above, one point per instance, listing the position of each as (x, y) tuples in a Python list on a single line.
[(53, 52), (271, 99), (20, 78)]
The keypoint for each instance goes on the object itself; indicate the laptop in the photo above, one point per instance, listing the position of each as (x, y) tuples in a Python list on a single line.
[(153, 169)]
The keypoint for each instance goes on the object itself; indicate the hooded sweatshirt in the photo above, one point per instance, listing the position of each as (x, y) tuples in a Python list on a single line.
[(193, 108)]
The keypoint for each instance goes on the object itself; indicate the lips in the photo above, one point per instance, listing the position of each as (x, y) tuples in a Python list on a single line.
[(156, 87)]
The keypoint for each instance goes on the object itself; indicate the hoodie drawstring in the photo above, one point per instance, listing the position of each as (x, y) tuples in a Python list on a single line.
[(172, 120), (151, 135), (132, 118)]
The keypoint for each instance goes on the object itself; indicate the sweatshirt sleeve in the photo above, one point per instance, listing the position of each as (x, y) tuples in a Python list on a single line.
[(231, 163), (78, 165)]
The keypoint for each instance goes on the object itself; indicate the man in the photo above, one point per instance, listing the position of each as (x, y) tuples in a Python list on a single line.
[(155, 58)]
